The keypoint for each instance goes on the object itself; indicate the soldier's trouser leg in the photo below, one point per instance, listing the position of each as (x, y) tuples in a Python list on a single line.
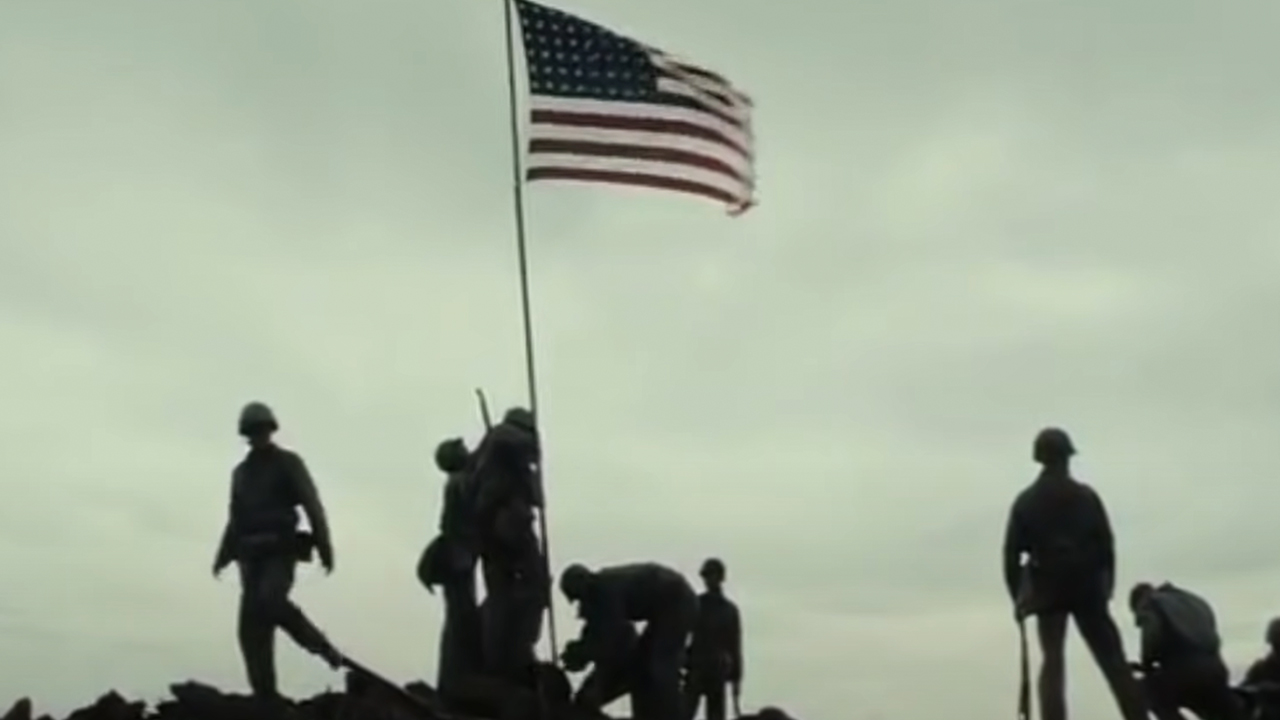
[(1107, 647), (495, 623), (715, 692), (256, 634), (1052, 685), (692, 691), (527, 607), (1161, 697), (271, 593), (665, 645), (711, 690), (461, 635), (1201, 685), (602, 686), (512, 625), (644, 703)]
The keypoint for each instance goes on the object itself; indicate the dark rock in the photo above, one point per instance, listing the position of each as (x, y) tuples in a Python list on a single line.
[(21, 710), (367, 696)]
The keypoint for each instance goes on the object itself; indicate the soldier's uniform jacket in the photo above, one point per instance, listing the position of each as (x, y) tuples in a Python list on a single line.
[(621, 595), (1266, 670), (455, 517), (453, 553), (1062, 525), (502, 494), (504, 469), (716, 648), (267, 488)]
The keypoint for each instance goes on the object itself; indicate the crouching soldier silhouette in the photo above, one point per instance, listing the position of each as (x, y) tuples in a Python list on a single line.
[(450, 561), (609, 600), (715, 653), (1262, 680), (262, 537), (1061, 528), (1181, 661)]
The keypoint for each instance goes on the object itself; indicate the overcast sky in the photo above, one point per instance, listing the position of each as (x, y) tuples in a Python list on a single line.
[(977, 218)]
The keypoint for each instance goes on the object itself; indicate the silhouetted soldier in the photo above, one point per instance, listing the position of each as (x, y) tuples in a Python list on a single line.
[(1262, 680), (612, 598), (1182, 665), (506, 498), (262, 536), (450, 561), (715, 653), (1266, 670), (1060, 525)]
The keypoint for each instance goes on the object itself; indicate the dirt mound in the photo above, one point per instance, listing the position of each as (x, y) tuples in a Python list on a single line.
[(364, 699), (196, 701)]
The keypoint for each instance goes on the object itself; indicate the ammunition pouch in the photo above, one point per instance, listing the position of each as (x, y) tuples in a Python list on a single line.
[(296, 545), (443, 561)]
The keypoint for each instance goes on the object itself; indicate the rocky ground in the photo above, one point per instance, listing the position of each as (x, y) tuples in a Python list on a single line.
[(364, 698)]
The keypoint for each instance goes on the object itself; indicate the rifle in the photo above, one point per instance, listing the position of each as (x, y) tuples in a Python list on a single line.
[(1024, 682), (737, 700), (484, 409)]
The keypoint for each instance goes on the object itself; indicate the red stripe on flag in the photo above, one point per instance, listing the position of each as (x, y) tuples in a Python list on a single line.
[(636, 152), (638, 124), (658, 182)]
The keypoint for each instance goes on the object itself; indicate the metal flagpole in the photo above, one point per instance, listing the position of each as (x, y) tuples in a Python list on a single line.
[(517, 179)]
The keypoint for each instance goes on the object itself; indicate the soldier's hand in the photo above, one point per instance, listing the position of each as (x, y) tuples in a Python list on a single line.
[(326, 558), (574, 657), (219, 564)]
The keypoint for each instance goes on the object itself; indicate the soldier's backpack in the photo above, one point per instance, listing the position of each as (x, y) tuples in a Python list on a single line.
[(1188, 616)]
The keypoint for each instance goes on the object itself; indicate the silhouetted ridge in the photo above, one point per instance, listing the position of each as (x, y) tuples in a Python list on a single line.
[(364, 698)]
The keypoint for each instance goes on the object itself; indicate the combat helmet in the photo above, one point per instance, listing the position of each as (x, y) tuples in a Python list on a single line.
[(521, 418), (1052, 444), (1273, 633), (713, 567), (574, 581), (257, 415), (451, 455)]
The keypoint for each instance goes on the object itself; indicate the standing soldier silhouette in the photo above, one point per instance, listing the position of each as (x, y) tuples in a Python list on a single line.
[(1060, 527), (503, 499), (262, 537), (715, 653), (450, 561)]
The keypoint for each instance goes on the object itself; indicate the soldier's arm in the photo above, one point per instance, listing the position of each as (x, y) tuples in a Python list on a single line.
[(735, 643), (604, 632), (1106, 543), (309, 497), (226, 545), (487, 486), (1151, 626), (449, 507), (531, 453), (1015, 544)]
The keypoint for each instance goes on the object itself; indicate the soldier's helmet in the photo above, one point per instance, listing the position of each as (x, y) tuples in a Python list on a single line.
[(257, 416), (1273, 632), (574, 581), (1052, 444), (713, 568), (521, 418), (451, 455)]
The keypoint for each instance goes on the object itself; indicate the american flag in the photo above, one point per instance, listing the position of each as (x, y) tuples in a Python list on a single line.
[(606, 108)]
